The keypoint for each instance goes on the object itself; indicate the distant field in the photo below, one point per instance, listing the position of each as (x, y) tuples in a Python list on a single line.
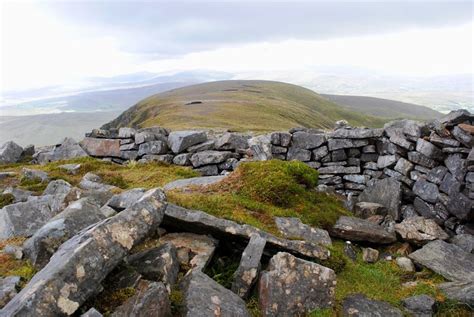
[(384, 107), (240, 105)]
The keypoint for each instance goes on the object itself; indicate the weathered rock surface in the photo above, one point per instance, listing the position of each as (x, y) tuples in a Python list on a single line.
[(420, 305), (386, 192), (126, 199), (249, 267), (358, 305), (307, 141), (425, 190), (232, 141), (447, 260), (91, 181), (78, 215), (76, 270), (8, 288), (20, 195), (405, 264), (33, 174), (293, 287), (181, 140), (203, 297), (194, 181), (365, 209), (10, 152), (356, 133), (92, 313), (356, 229), (370, 255), (198, 221), (465, 241), (293, 228), (209, 157), (101, 147), (459, 291), (419, 230)]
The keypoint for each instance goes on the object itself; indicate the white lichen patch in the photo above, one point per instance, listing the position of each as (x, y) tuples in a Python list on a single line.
[(123, 237), (80, 272)]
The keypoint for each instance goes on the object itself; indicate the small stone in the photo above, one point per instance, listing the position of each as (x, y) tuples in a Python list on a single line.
[(403, 166), (355, 229), (418, 158), (370, 255), (386, 161), (405, 264)]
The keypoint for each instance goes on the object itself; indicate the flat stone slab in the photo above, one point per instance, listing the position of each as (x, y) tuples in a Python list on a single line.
[(460, 291), (293, 228), (447, 260), (419, 230), (359, 305), (356, 229), (194, 181), (199, 221)]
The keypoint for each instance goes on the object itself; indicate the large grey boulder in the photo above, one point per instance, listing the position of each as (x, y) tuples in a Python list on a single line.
[(153, 147), (455, 117), (57, 187), (358, 305), (249, 267), (101, 147), (151, 299), (76, 270), (337, 144), (67, 149), (10, 152), (209, 157), (24, 218), (419, 230), (197, 221), (293, 228), (387, 192), (203, 297), (356, 229), (307, 141), (295, 287), (232, 141), (194, 181), (78, 215), (179, 141), (8, 288), (159, 264), (447, 260), (298, 154), (459, 291), (126, 199), (420, 305), (425, 190)]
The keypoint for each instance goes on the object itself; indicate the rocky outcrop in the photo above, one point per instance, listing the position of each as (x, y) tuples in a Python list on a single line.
[(295, 287)]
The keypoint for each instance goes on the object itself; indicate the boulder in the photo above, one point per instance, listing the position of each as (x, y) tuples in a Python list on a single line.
[(365, 209), (387, 192), (46, 240), (320, 152), (406, 127), (76, 270), (232, 141), (179, 141), (463, 136), (459, 291), (436, 174), (460, 206), (57, 187), (151, 299), (101, 147), (360, 305), (203, 247), (208, 170), (298, 154), (293, 228), (203, 297), (25, 218), (465, 241), (356, 229), (159, 264), (33, 174), (68, 149), (125, 199), (10, 152), (91, 181), (370, 255), (153, 147), (420, 159), (294, 287), (457, 166), (455, 117), (209, 157), (419, 230), (307, 141), (249, 267), (425, 190), (8, 288), (194, 181), (260, 148), (420, 305), (126, 133), (205, 146), (182, 159), (19, 194), (197, 221), (356, 133), (446, 259), (337, 144)]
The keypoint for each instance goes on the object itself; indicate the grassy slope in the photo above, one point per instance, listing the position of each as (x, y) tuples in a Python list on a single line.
[(384, 107), (241, 106)]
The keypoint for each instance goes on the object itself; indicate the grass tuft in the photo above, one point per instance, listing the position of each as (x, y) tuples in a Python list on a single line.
[(6, 199)]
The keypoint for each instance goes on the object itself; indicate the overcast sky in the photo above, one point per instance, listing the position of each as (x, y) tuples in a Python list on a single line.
[(64, 42)]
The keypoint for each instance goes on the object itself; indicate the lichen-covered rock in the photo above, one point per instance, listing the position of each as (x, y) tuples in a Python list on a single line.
[(10, 152), (419, 230), (359, 305), (8, 288), (19, 194), (465, 241), (57, 187), (209, 157), (125, 199), (387, 192), (459, 291), (232, 141), (33, 174), (78, 215), (159, 264), (249, 267), (181, 140), (153, 147), (356, 229), (77, 269), (203, 297), (420, 305), (293, 287), (356, 133), (307, 141), (293, 228)]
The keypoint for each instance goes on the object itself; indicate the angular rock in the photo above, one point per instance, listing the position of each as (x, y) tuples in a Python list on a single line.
[(181, 140), (194, 181), (298, 154), (460, 206), (126, 199), (410, 128), (443, 142), (420, 305), (101, 147), (455, 117), (370, 255), (386, 192), (465, 241), (8, 288), (293, 228), (340, 170), (337, 144), (437, 174), (419, 230), (165, 158), (182, 159), (33, 174), (307, 141), (355, 229), (403, 166), (77, 269), (249, 267), (72, 169), (424, 209), (457, 166), (320, 152), (428, 149), (365, 209), (10, 152), (205, 146), (153, 147), (338, 155), (459, 291), (418, 158), (232, 141), (450, 184), (202, 297), (126, 133), (295, 287), (20, 195), (401, 141), (405, 264), (159, 264), (446, 259), (386, 161), (57, 187), (356, 133), (92, 313), (151, 299), (201, 246), (209, 157), (462, 136), (425, 190), (360, 305), (198, 221)]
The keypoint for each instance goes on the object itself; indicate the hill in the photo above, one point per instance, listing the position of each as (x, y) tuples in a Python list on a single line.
[(384, 107), (240, 105)]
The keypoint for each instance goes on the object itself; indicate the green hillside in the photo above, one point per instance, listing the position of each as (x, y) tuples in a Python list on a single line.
[(240, 105)]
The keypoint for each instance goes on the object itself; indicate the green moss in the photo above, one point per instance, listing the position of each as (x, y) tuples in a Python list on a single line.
[(222, 270), (258, 191), (107, 301), (337, 260), (6, 199), (10, 266), (176, 300), (253, 307), (33, 184)]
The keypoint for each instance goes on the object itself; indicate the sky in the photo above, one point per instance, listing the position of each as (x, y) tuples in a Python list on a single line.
[(63, 43)]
